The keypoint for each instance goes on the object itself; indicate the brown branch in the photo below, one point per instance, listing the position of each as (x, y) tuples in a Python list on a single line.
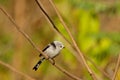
[(73, 41), (23, 33), (50, 20), (67, 73), (34, 46), (116, 68), (16, 71)]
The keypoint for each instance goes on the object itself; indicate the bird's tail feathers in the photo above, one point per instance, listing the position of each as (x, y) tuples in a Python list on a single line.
[(38, 64)]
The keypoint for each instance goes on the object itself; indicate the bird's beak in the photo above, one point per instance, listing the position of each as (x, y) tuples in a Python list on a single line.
[(64, 47)]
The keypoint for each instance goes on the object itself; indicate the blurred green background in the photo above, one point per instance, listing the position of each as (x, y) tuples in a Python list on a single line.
[(95, 25)]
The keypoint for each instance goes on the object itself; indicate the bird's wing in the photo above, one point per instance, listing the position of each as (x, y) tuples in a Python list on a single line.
[(44, 49)]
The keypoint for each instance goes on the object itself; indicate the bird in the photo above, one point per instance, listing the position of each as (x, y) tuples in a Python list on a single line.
[(51, 50)]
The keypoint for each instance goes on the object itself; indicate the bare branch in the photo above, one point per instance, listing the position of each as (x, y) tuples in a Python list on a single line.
[(67, 73), (116, 68), (22, 32), (16, 71), (73, 41), (37, 49), (50, 20)]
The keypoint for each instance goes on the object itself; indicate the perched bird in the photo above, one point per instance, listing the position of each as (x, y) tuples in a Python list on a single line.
[(52, 50)]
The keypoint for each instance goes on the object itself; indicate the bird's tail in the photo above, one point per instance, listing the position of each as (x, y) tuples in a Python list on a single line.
[(38, 64)]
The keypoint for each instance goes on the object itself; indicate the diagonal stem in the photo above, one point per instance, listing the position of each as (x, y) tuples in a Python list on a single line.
[(14, 70), (73, 41), (116, 68), (50, 20)]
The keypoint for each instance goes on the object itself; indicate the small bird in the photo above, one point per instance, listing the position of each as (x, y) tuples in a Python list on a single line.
[(52, 50)]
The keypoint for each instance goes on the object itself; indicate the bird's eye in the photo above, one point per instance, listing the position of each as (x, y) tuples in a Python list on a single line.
[(60, 46)]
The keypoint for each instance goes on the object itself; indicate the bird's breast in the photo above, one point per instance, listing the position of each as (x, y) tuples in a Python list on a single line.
[(52, 52)]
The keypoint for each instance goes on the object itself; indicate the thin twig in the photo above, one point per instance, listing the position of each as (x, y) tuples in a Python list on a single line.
[(116, 68), (37, 49), (73, 41), (23, 33), (68, 74), (50, 20), (16, 71)]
